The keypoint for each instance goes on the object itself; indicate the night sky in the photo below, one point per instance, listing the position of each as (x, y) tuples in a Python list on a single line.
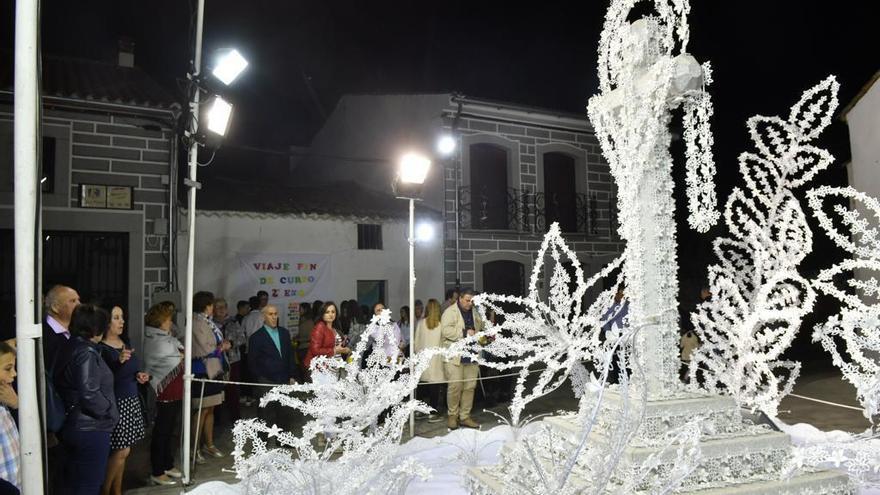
[(305, 54)]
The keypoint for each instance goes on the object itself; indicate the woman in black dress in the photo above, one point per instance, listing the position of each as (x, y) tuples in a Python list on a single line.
[(127, 375)]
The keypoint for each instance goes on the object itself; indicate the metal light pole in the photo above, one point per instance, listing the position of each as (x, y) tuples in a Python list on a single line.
[(408, 185), (26, 141), (226, 70), (412, 308), (190, 253)]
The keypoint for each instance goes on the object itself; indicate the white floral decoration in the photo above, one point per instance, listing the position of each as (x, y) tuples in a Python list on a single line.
[(344, 401), (858, 323), (557, 334), (644, 74), (759, 299), (550, 462), (855, 454)]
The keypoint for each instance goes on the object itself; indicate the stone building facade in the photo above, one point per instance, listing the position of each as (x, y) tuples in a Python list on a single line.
[(106, 126), (530, 143), (515, 170)]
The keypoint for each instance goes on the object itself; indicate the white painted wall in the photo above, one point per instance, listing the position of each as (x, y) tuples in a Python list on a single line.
[(863, 120), (864, 137), (219, 236)]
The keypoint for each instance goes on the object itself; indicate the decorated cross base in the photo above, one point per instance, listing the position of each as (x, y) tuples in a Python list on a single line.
[(730, 456)]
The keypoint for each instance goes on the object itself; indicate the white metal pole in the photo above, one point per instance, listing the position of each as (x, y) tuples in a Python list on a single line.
[(412, 308), (190, 253), (27, 329)]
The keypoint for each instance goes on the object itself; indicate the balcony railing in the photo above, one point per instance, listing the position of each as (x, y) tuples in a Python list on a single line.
[(484, 209), (520, 210)]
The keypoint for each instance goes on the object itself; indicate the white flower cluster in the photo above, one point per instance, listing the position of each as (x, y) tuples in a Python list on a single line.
[(858, 323), (345, 401), (759, 299), (855, 454)]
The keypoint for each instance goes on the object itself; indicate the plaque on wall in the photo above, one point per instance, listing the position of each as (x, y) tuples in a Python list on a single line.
[(92, 196), (119, 197)]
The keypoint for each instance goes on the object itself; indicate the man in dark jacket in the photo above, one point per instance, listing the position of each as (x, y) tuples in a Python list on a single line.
[(270, 359), (60, 302)]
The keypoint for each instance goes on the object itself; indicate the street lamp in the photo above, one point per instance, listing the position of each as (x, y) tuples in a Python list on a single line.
[(408, 185), (424, 232), (446, 145)]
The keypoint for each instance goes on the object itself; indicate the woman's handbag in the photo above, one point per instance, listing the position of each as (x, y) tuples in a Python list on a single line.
[(147, 396)]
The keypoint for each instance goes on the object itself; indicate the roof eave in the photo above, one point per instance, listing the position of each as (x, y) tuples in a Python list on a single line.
[(524, 113), (102, 106), (862, 92)]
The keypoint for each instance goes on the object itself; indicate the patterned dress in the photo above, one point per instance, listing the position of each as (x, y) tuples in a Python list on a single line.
[(130, 428)]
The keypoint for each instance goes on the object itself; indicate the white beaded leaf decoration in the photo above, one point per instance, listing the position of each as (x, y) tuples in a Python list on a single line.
[(813, 112), (861, 226), (557, 333), (860, 335), (344, 400), (855, 454), (858, 323), (759, 299)]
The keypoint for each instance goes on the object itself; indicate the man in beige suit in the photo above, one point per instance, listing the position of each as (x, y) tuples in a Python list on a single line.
[(458, 321)]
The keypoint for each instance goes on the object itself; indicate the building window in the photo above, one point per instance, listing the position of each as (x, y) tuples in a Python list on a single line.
[(369, 292), (369, 236), (47, 181), (488, 167), (560, 195), (54, 165), (7, 172)]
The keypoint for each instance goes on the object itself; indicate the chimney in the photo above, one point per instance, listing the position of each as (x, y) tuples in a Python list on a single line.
[(126, 52)]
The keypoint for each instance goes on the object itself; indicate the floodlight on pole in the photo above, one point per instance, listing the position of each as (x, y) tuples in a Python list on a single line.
[(218, 116), (414, 168), (446, 145), (228, 65)]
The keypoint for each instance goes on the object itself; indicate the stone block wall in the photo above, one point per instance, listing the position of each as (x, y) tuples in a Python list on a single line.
[(118, 150)]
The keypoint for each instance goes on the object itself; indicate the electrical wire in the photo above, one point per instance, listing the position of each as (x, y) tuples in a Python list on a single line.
[(209, 161)]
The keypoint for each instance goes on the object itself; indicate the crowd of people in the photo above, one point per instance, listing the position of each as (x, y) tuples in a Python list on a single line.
[(103, 396)]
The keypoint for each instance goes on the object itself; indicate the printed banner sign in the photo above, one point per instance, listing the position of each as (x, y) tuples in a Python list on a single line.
[(289, 278)]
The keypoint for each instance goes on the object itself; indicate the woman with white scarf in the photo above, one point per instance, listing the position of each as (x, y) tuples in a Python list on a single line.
[(163, 360), (209, 361)]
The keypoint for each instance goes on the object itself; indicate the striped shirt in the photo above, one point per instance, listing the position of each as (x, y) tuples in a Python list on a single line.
[(10, 450)]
